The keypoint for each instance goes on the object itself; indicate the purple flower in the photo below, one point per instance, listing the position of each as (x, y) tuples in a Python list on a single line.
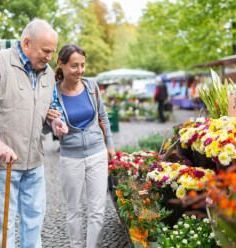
[(159, 168), (164, 179), (208, 141), (159, 184), (198, 173), (193, 138)]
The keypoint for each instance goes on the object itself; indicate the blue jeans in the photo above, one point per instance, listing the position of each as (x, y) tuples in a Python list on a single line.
[(28, 198)]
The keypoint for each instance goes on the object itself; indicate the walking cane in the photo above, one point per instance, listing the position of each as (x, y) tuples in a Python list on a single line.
[(6, 205)]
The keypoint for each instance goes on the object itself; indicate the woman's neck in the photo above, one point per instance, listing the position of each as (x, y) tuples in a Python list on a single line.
[(71, 88)]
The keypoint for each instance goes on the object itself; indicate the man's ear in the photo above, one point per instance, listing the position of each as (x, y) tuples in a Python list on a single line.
[(26, 43)]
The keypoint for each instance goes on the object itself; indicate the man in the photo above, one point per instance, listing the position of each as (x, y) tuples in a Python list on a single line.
[(26, 86), (160, 97)]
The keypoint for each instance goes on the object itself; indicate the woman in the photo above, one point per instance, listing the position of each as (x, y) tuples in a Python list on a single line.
[(83, 150)]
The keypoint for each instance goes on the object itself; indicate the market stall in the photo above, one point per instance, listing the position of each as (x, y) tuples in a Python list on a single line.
[(183, 195)]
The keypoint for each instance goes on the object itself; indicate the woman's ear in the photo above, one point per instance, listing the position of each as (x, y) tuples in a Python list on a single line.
[(59, 63)]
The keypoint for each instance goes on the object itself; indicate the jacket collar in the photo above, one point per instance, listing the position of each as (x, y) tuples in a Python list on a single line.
[(15, 60), (86, 83)]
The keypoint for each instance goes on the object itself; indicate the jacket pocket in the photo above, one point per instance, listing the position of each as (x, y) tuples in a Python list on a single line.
[(94, 137), (72, 140)]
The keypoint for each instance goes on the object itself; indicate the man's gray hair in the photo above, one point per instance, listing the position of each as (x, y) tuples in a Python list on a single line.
[(35, 27)]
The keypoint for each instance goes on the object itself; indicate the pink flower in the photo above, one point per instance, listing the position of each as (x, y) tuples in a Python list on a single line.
[(199, 174), (193, 138), (208, 141)]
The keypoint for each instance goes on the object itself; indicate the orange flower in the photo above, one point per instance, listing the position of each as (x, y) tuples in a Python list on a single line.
[(192, 194), (222, 191), (119, 193), (123, 201), (146, 214), (139, 235)]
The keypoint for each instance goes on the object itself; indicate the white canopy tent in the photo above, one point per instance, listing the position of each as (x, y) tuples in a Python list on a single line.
[(112, 76)]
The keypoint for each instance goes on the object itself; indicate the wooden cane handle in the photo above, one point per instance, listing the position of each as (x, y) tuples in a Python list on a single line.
[(6, 205)]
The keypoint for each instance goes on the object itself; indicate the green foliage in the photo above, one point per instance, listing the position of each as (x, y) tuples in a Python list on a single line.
[(189, 232), (171, 34), (215, 96), (186, 32), (129, 149), (152, 142), (15, 14)]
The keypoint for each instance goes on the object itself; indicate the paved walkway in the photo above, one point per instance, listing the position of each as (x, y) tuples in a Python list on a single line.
[(55, 231)]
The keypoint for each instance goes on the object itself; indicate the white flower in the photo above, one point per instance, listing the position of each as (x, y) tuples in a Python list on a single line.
[(195, 236), (164, 229), (212, 235), (184, 241), (193, 217), (224, 158), (175, 226), (186, 225), (229, 149), (201, 119), (175, 233), (198, 243), (199, 228), (192, 232), (174, 185), (206, 220)]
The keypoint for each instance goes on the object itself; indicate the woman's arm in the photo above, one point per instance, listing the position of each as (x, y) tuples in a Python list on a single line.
[(102, 114)]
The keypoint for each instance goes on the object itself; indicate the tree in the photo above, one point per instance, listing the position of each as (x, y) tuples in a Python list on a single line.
[(90, 35), (187, 32)]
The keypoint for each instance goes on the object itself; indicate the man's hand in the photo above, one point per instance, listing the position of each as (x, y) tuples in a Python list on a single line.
[(59, 127), (53, 114), (111, 153), (6, 153)]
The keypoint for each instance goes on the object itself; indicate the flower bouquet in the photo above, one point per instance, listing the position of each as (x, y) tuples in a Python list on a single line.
[(180, 178), (214, 138), (222, 206), (125, 165)]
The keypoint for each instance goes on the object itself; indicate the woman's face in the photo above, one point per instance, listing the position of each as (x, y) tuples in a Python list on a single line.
[(74, 69)]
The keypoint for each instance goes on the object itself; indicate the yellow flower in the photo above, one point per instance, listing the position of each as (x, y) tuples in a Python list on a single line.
[(224, 158), (214, 148), (229, 148), (180, 192), (196, 145)]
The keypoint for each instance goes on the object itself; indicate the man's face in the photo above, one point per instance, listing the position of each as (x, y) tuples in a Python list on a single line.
[(40, 49)]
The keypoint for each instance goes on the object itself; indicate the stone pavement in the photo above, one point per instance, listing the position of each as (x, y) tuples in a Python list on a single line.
[(54, 233)]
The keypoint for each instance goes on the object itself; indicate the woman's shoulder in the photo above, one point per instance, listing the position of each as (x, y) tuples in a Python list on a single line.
[(90, 82)]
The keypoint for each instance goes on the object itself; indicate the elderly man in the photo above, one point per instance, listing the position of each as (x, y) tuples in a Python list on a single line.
[(26, 86)]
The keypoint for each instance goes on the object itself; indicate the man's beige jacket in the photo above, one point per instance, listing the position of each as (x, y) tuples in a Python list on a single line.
[(22, 109)]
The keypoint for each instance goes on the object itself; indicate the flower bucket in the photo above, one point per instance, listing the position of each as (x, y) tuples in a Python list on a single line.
[(223, 227), (153, 244)]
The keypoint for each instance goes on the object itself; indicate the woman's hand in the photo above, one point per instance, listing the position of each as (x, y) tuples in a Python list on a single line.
[(59, 127), (53, 114), (111, 153)]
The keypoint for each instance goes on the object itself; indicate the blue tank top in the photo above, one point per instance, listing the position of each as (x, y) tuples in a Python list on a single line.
[(79, 109)]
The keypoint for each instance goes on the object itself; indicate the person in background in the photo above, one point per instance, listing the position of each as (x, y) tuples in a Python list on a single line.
[(160, 96), (85, 149), (26, 87)]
